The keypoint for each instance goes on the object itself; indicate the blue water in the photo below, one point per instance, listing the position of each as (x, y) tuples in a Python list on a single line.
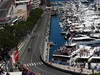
[(55, 35)]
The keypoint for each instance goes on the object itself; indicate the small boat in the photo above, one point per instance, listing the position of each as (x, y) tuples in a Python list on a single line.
[(63, 33), (66, 50), (61, 25), (95, 35), (82, 38)]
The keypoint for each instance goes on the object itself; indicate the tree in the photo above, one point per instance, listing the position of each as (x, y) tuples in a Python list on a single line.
[(20, 30), (11, 35), (6, 39)]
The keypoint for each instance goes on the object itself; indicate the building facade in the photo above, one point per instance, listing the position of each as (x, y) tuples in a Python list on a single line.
[(23, 8)]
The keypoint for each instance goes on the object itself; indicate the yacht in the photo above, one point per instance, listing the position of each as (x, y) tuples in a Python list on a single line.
[(66, 50), (95, 35), (74, 52), (82, 38), (95, 58)]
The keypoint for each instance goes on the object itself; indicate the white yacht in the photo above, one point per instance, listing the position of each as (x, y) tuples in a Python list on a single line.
[(82, 38), (95, 35)]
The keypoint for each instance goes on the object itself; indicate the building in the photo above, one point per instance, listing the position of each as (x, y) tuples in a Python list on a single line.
[(34, 3), (22, 8), (21, 12), (12, 11), (7, 8)]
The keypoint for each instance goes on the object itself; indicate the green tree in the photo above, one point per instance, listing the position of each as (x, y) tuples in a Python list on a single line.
[(11, 35)]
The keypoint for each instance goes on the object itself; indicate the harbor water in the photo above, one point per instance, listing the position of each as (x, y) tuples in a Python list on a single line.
[(55, 35)]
